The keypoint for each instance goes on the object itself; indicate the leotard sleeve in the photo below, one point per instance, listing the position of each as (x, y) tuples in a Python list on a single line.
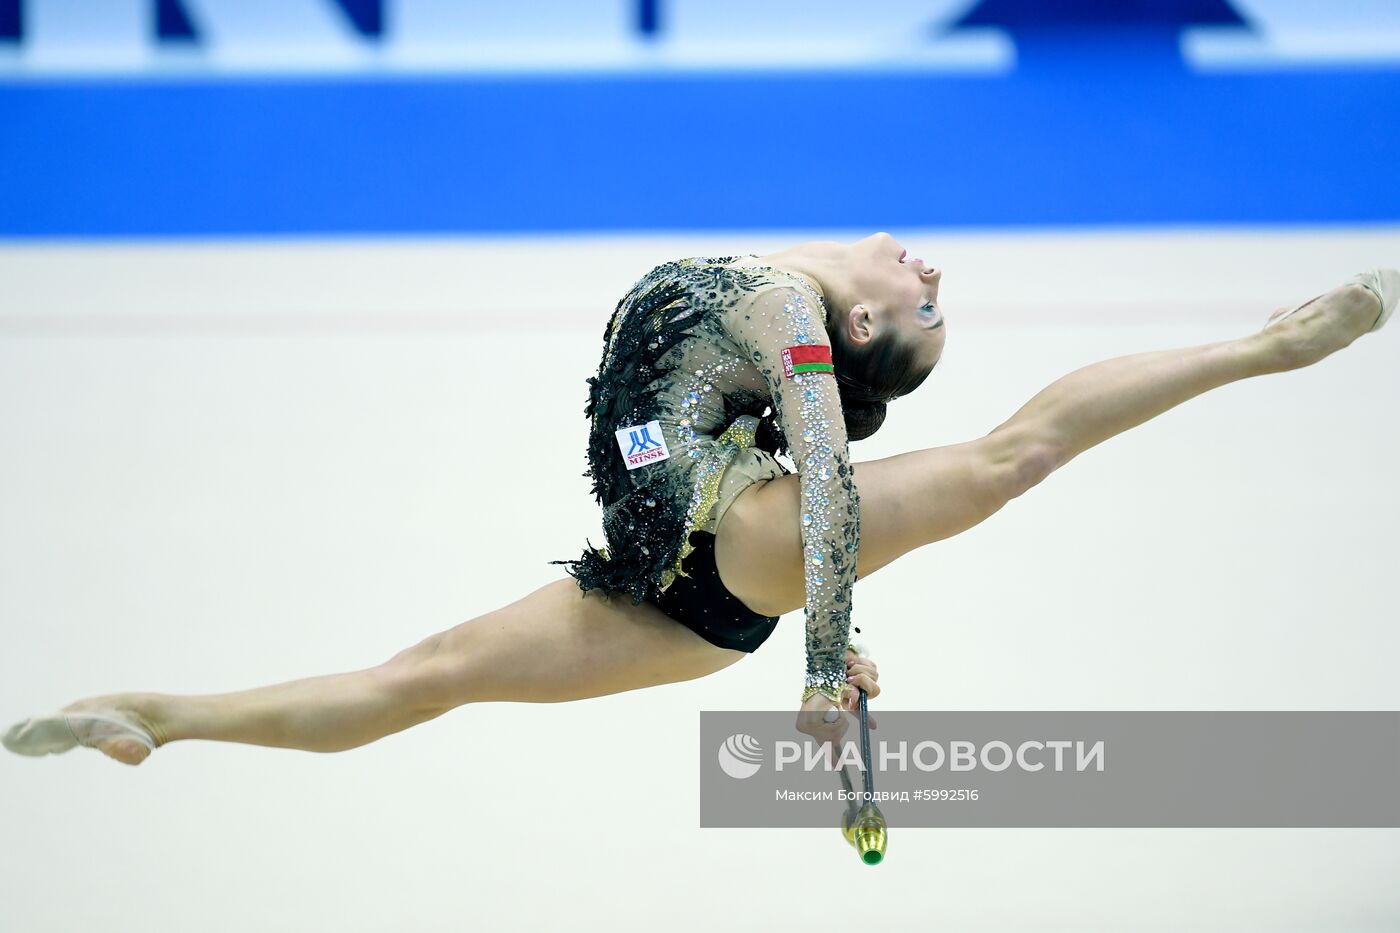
[(781, 332)]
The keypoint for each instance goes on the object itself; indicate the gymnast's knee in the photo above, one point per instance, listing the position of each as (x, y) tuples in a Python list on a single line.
[(426, 676), (1021, 460)]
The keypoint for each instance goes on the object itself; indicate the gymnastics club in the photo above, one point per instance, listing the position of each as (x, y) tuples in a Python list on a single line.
[(863, 826)]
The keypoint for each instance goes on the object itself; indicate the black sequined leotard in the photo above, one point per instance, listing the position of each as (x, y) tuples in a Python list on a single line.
[(695, 352)]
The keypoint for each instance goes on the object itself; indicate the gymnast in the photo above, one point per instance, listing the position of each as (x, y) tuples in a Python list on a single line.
[(711, 368)]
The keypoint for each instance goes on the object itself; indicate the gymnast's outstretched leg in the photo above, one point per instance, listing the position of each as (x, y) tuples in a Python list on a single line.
[(912, 499), (556, 644)]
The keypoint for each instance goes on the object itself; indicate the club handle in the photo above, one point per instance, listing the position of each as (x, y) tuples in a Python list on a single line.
[(865, 827)]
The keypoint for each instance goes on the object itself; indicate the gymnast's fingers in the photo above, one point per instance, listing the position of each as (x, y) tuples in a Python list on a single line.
[(866, 682), (867, 669), (854, 659)]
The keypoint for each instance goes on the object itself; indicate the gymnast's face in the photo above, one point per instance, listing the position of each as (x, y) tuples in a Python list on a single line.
[(895, 291)]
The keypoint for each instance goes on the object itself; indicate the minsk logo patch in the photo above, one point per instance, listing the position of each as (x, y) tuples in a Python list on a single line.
[(642, 444), (813, 358)]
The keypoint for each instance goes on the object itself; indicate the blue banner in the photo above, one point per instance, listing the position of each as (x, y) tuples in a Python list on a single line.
[(194, 119)]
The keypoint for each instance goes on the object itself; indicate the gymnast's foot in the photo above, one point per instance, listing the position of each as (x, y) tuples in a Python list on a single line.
[(110, 724), (1322, 326)]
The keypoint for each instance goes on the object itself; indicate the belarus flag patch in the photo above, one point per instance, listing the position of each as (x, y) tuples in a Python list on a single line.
[(812, 358)]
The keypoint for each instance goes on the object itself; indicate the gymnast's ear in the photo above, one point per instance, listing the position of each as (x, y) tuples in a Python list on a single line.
[(859, 329)]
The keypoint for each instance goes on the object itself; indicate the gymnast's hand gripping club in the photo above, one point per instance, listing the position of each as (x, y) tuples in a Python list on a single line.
[(863, 825)]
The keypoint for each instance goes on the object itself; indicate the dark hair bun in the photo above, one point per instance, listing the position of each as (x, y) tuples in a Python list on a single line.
[(863, 418), (883, 370)]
